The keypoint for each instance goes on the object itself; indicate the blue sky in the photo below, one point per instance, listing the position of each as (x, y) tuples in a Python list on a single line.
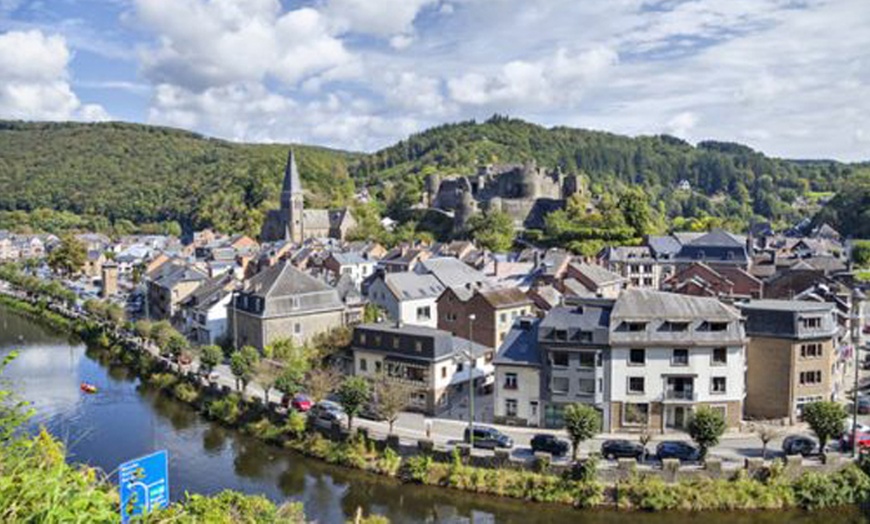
[(788, 77)]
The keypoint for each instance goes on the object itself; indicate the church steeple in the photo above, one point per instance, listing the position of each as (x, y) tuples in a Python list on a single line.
[(292, 200), (291, 184)]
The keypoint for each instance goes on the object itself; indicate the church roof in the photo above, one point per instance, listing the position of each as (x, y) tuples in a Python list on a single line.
[(292, 183)]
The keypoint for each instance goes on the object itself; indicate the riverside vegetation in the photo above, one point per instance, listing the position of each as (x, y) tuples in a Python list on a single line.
[(578, 486)]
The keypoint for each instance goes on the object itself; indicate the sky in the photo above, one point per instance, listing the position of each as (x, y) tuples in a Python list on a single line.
[(790, 78)]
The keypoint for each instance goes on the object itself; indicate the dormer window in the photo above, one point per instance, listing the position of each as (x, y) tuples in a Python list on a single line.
[(811, 322), (671, 326), (713, 326), (561, 335), (633, 327)]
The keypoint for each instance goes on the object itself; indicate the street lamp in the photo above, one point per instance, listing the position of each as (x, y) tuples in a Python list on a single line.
[(471, 362)]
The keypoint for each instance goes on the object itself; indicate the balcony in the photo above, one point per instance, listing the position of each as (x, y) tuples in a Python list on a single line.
[(686, 395)]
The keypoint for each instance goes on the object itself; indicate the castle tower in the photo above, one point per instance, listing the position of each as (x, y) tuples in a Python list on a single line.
[(291, 200), (109, 285)]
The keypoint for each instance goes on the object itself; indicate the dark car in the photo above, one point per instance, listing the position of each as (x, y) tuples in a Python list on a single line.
[(862, 438), (614, 449), (863, 405), (798, 445), (550, 444), (678, 450), (489, 438)]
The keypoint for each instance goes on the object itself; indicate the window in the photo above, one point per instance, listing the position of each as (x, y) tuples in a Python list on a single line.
[(503, 318), (718, 386), (533, 409), (444, 372), (674, 326), (510, 381), (424, 313), (587, 386), (680, 357), (635, 385), (811, 350), (395, 342), (811, 322), (636, 357), (510, 407), (460, 367), (363, 365), (634, 326), (810, 377), (713, 326), (584, 336), (720, 356), (377, 366), (587, 359), (560, 359), (561, 334), (647, 281), (418, 346), (647, 268), (559, 385), (297, 328), (635, 414)]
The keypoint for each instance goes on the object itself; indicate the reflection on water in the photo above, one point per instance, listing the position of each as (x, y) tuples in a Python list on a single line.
[(123, 421)]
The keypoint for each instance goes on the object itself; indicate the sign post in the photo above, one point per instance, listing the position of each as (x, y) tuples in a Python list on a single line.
[(144, 485)]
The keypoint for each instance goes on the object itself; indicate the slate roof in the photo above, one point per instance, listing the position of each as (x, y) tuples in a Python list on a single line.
[(664, 246), (599, 275), (453, 273), (642, 304), (779, 318), (283, 279), (520, 346), (716, 246), (315, 219), (412, 286), (440, 344), (504, 297), (177, 274), (576, 317), (210, 292), (350, 258)]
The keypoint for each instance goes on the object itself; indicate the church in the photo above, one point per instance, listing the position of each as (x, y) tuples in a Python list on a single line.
[(294, 223)]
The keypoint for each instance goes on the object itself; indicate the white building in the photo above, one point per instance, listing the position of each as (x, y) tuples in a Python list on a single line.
[(517, 389), (407, 298)]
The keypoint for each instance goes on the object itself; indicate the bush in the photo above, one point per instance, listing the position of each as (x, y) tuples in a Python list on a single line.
[(163, 380), (418, 468), (185, 393), (295, 425), (225, 409), (389, 463)]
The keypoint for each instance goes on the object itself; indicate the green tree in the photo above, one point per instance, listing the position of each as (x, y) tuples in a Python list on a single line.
[(705, 427), (492, 230), (634, 205), (243, 363), (290, 381), (161, 332), (176, 344), (267, 374), (209, 358), (69, 257), (391, 397), (861, 253), (353, 394), (320, 382), (582, 422), (826, 419)]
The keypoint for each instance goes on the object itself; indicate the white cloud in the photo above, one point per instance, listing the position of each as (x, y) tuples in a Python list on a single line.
[(681, 124), (206, 44), (383, 18), (34, 69)]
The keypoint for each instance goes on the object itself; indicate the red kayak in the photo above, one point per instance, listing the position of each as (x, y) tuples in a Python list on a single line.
[(88, 388)]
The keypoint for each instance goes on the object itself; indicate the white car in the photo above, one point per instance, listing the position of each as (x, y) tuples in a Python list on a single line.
[(862, 428)]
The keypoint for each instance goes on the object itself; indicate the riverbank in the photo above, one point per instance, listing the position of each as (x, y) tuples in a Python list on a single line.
[(579, 487)]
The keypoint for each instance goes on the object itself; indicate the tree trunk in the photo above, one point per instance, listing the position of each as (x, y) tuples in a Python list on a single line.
[(391, 426), (574, 453)]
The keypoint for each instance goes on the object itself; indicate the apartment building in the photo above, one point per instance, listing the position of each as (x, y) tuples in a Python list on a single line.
[(517, 390), (494, 311), (791, 356), (670, 354), (430, 361), (407, 297)]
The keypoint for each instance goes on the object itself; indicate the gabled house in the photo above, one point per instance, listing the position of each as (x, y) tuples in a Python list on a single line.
[(205, 310), (169, 284), (597, 280), (407, 298), (283, 303), (494, 311), (352, 264), (517, 387)]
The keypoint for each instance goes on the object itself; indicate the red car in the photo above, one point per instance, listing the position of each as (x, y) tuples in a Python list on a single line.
[(298, 402), (863, 440)]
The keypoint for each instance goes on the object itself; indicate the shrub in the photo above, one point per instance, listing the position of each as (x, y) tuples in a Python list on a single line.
[(389, 463), (225, 409), (185, 393), (295, 425), (163, 380), (706, 427), (418, 468)]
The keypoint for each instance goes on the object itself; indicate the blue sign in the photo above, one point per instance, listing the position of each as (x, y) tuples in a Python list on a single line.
[(144, 484)]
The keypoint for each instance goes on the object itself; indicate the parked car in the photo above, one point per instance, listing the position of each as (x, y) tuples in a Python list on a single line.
[(678, 450), (489, 438), (326, 413), (798, 445), (863, 440), (550, 444), (614, 449), (862, 428), (299, 402)]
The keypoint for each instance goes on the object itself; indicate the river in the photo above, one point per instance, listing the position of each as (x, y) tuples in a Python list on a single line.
[(124, 421)]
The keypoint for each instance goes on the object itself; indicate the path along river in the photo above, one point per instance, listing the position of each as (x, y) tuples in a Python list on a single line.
[(124, 421)]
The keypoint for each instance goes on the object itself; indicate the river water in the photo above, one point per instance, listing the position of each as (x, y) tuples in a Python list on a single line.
[(124, 421)]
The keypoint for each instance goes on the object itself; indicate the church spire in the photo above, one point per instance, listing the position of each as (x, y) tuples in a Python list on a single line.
[(292, 184)]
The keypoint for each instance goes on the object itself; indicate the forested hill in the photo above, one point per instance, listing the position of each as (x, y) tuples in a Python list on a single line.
[(150, 174), (116, 173), (727, 179)]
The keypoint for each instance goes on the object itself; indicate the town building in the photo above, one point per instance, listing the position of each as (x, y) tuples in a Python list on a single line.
[(294, 223), (407, 298), (357, 267), (205, 310), (670, 354), (574, 351), (494, 311), (427, 360), (634, 263), (168, 285), (790, 358), (597, 280), (517, 385), (283, 303), (109, 280)]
